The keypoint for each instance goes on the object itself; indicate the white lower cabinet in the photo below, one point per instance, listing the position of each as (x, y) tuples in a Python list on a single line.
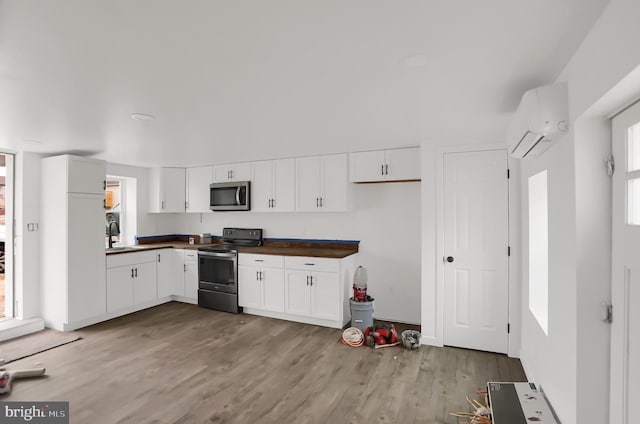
[(191, 274), (304, 289), (131, 280), (170, 267)]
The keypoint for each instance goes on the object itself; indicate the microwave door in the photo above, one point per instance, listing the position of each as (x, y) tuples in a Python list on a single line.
[(238, 196)]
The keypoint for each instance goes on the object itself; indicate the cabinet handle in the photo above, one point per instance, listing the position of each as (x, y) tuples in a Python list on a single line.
[(307, 280), (273, 203), (104, 184), (309, 264), (317, 202), (382, 169), (136, 272), (158, 257), (186, 206), (311, 278), (257, 275), (259, 260), (261, 277), (321, 202), (162, 207), (232, 173), (386, 169), (184, 268), (131, 272)]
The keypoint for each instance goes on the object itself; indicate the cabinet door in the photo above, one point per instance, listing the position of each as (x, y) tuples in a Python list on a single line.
[(297, 297), (367, 166), (272, 283), (249, 287), (86, 175), (191, 274), (198, 181), (170, 273), (308, 184), (119, 288), (144, 283), (334, 183), (325, 295), (173, 182), (262, 186), (284, 185), (403, 164), (86, 289), (232, 172)]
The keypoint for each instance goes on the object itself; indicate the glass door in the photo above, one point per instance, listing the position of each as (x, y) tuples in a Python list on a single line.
[(6, 235)]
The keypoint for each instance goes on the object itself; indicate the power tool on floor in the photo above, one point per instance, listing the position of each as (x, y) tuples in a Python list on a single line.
[(381, 335), (7, 377)]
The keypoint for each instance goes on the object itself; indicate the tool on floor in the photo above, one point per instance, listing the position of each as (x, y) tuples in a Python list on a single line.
[(352, 336), (381, 335), (411, 339), (7, 377)]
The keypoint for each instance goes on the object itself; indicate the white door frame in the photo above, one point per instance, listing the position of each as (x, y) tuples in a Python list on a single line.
[(514, 306)]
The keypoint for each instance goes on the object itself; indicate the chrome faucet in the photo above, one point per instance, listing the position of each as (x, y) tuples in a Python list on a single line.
[(111, 233)]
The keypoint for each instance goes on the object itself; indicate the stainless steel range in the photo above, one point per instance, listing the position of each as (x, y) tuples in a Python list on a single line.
[(218, 269)]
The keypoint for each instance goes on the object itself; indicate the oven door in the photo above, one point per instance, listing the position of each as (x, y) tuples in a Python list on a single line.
[(218, 271)]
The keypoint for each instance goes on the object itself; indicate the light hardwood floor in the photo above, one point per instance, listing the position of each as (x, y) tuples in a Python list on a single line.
[(177, 363)]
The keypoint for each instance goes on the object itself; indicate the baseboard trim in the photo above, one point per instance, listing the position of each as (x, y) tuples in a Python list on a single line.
[(12, 328)]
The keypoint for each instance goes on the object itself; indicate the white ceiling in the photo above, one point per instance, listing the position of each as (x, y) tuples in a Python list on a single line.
[(254, 79)]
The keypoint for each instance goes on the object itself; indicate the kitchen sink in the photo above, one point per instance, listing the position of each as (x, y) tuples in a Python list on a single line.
[(121, 248)]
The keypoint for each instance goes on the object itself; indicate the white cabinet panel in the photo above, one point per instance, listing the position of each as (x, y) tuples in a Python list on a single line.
[(170, 268), (385, 165), (232, 172), (144, 283), (403, 164), (198, 181), (312, 264), (308, 184), (367, 166), (321, 183), (297, 293), (119, 288), (86, 175), (261, 186), (86, 279), (284, 185), (168, 190), (325, 295), (191, 274), (272, 282), (249, 287), (261, 261)]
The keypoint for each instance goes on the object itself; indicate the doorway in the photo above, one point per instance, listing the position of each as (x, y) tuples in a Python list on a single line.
[(625, 261), (6, 235), (475, 250)]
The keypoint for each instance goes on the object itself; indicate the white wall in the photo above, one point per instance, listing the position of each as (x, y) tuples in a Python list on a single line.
[(27, 252), (386, 220), (603, 76)]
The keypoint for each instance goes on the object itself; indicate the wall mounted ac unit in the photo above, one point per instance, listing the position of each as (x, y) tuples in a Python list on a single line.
[(542, 117)]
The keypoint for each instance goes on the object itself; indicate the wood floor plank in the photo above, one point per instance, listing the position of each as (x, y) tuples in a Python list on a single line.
[(177, 363)]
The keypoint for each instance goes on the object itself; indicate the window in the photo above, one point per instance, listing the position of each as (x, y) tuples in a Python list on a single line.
[(539, 249), (121, 208)]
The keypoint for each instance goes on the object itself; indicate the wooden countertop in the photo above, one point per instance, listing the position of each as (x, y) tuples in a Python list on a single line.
[(335, 251)]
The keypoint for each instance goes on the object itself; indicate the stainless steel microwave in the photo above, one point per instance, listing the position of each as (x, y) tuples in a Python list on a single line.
[(234, 196)]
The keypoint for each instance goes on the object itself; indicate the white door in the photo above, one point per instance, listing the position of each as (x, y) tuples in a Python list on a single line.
[(262, 186), (284, 185), (334, 183), (325, 295), (475, 195), (198, 181), (272, 282), (191, 274), (625, 279), (249, 289), (174, 189), (308, 184), (297, 296), (145, 287), (170, 273)]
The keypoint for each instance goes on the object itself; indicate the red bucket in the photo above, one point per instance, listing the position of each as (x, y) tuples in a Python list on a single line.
[(359, 293)]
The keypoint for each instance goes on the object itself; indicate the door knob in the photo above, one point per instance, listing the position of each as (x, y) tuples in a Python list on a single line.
[(449, 259)]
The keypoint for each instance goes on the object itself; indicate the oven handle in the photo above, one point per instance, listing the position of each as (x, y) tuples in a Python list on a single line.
[(230, 255)]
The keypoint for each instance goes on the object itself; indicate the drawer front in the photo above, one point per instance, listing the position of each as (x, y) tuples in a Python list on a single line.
[(269, 261), (312, 264), (124, 259), (190, 255)]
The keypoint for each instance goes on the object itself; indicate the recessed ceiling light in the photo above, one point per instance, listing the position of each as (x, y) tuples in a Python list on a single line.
[(415, 61), (28, 140), (142, 116)]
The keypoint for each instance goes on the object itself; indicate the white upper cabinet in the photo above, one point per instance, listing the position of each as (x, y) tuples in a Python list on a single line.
[(321, 183), (232, 172), (168, 186), (198, 181), (86, 175), (273, 185), (385, 165)]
